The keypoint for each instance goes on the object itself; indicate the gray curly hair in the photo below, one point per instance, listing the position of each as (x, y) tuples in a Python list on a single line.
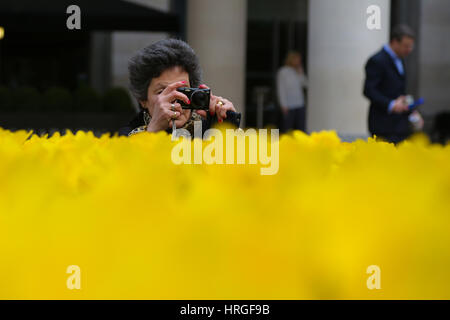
[(151, 61)]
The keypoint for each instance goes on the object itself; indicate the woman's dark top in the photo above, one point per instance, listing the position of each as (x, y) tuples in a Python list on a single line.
[(138, 121)]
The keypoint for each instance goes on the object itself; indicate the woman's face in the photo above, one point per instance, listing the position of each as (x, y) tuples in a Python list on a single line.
[(157, 85), (297, 61)]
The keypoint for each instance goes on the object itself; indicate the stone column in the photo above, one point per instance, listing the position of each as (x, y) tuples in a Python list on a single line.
[(216, 30), (339, 44)]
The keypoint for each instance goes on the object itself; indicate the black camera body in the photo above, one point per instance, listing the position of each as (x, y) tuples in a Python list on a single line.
[(199, 98)]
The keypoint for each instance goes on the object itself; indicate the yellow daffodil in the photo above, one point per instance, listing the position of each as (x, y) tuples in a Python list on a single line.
[(139, 226)]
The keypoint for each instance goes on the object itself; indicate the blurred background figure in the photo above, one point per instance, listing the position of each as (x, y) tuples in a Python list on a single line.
[(385, 86), (291, 81)]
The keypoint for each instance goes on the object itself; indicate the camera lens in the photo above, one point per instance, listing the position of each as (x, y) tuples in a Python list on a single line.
[(200, 99)]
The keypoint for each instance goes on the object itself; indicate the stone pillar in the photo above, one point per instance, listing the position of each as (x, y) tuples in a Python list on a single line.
[(339, 44), (216, 30)]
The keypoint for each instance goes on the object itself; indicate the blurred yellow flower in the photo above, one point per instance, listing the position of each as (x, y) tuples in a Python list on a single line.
[(140, 227)]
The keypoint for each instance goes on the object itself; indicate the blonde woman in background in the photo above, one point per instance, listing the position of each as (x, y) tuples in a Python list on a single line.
[(291, 80)]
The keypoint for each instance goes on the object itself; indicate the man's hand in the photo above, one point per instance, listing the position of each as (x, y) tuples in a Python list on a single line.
[(417, 121), (400, 105), (285, 110)]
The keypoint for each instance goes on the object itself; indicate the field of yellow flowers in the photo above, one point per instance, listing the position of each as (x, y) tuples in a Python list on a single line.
[(140, 227)]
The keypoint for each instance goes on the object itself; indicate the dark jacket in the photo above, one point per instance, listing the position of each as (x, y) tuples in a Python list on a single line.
[(137, 121), (382, 85)]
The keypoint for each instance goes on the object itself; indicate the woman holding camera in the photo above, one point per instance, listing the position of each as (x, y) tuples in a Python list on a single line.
[(155, 73)]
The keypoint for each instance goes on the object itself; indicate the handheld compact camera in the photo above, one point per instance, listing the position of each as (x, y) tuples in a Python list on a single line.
[(199, 98)]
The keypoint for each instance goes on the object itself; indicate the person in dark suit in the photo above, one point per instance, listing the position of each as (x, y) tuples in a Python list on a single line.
[(385, 87)]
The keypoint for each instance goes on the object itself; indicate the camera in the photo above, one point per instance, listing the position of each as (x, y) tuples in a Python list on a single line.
[(199, 98)]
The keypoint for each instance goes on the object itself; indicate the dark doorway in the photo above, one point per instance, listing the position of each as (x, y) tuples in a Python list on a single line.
[(267, 45), (45, 59)]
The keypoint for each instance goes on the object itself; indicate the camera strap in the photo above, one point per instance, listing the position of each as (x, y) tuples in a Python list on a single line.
[(174, 129)]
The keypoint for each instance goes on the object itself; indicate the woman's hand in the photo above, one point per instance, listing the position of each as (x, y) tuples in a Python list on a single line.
[(217, 106), (165, 109)]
